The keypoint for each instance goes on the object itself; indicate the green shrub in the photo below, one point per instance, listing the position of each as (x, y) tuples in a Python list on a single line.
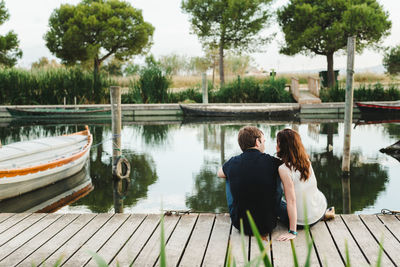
[(50, 86), (153, 83), (374, 92), (188, 95)]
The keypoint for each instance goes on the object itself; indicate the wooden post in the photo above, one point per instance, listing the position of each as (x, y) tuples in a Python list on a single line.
[(348, 118), (205, 89), (65, 101), (115, 94), (348, 114)]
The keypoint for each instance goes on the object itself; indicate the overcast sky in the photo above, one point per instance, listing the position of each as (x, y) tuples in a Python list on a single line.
[(29, 19)]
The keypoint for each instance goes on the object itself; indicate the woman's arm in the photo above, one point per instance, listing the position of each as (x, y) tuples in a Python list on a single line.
[(288, 188)]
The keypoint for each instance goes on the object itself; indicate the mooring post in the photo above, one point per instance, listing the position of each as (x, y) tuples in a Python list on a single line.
[(115, 93), (348, 118), (75, 102), (65, 101), (205, 89)]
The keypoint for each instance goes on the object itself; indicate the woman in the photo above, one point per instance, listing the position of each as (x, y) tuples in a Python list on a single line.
[(300, 186)]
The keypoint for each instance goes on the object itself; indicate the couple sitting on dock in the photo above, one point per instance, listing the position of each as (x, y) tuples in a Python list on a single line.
[(254, 182)]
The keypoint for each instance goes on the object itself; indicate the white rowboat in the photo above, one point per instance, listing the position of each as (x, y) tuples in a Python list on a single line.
[(29, 165)]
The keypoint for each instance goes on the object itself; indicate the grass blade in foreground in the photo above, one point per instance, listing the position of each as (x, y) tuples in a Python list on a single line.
[(257, 235), (99, 260), (295, 260), (163, 261), (242, 241)]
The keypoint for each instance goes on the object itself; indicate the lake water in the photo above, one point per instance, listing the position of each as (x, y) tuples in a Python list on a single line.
[(174, 165)]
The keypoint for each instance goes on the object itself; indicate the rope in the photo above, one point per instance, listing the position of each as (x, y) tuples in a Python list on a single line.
[(390, 212), (112, 138)]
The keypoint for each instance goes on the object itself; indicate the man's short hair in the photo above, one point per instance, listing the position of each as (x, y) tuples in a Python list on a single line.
[(247, 137)]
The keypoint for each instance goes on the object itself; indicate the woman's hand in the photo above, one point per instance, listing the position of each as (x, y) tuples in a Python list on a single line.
[(286, 237)]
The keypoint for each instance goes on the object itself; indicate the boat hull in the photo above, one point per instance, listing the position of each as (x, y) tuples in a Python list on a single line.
[(42, 162), (243, 111), (58, 113)]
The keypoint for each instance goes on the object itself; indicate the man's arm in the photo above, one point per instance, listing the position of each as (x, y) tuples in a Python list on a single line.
[(221, 173)]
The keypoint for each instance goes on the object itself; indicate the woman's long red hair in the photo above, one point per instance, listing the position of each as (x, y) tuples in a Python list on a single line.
[(292, 152)]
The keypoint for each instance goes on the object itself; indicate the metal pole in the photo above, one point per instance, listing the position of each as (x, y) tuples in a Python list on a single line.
[(205, 89)]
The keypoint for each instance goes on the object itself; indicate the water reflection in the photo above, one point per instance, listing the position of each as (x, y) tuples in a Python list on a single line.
[(367, 181), (209, 193), (143, 174), (52, 197), (178, 162)]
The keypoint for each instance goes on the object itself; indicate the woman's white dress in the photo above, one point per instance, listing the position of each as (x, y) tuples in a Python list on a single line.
[(310, 201)]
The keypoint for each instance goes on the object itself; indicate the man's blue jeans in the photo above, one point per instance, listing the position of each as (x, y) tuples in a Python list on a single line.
[(281, 209)]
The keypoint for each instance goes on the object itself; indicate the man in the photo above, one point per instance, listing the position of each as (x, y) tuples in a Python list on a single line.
[(252, 183)]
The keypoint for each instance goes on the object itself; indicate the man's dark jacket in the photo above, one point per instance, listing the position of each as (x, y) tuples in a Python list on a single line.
[(253, 179)]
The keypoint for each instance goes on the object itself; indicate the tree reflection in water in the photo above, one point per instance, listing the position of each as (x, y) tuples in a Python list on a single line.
[(367, 180), (143, 174), (209, 195)]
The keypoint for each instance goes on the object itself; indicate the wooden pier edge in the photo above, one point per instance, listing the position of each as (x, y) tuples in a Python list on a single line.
[(195, 239)]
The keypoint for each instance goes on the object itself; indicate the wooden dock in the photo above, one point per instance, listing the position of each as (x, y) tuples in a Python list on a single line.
[(192, 240)]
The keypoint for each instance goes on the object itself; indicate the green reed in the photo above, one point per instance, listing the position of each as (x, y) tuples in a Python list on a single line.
[(50, 86)]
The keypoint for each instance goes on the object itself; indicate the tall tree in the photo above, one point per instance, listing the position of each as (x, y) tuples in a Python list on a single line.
[(322, 27), (97, 29), (9, 43), (232, 24), (391, 60)]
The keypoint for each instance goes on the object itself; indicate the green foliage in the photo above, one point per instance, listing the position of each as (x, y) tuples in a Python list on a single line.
[(131, 69), (95, 30), (237, 64), (153, 83), (188, 95), (44, 62), (9, 43), (50, 86), (322, 26), (256, 233), (249, 90), (114, 67), (391, 60), (364, 92), (229, 24), (173, 63)]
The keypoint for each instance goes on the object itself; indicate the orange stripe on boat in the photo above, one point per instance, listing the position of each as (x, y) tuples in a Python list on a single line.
[(51, 165)]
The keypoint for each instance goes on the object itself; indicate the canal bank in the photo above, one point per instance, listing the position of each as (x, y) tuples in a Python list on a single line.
[(138, 110)]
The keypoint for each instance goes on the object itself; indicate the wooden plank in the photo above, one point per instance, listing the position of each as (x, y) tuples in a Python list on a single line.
[(326, 249), (282, 252), (33, 244), (255, 250), (79, 239), (25, 236), (341, 235), (179, 238), (117, 241), (148, 256), (217, 247), (365, 240), (12, 221), (136, 242), (19, 227), (196, 248), (81, 257), (237, 248), (392, 223), (57, 241), (5, 216), (382, 234)]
